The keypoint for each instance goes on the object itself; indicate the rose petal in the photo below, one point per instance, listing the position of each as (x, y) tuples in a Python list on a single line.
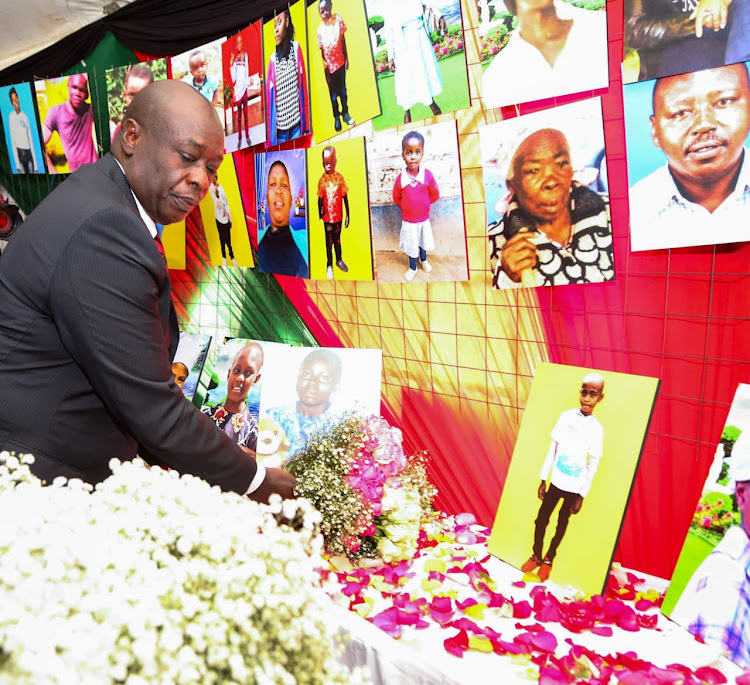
[(457, 644), (604, 631), (544, 641), (712, 675)]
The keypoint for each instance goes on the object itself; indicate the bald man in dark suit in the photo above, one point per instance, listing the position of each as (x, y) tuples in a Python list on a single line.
[(88, 329)]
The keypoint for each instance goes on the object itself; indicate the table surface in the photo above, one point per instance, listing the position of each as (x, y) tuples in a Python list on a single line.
[(419, 655)]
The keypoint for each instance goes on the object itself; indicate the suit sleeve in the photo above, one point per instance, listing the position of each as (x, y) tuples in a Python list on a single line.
[(105, 301)]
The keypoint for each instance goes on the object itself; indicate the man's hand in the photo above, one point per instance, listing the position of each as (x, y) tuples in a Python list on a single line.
[(577, 505), (517, 255), (346, 221), (277, 481), (542, 490), (392, 65)]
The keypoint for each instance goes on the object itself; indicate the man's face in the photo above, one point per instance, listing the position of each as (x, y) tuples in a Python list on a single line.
[(329, 161), (133, 86), (244, 371), (412, 154), (591, 394), (316, 382), (324, 7), (15, 103), (279, 196), (542, 176), (701, 121), (78, 91), (239, 43), (173, 165), (180, 372), (198, 68), (280, 22)]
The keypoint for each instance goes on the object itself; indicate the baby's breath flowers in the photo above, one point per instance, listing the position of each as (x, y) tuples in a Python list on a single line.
[(371, 496), (155, 578)]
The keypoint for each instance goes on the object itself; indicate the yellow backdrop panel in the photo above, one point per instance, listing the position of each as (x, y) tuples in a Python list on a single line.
[(240, 237), (361, 86), (586, 551), (356, 245)]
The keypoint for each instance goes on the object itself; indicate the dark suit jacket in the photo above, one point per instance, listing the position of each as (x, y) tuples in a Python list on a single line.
[(87, 333)]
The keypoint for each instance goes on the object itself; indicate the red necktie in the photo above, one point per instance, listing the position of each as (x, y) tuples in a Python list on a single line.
[(160, 245)]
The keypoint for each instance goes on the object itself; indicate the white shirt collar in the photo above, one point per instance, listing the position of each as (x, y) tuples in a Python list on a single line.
[(672, 193), (150, 223), (408, 180)]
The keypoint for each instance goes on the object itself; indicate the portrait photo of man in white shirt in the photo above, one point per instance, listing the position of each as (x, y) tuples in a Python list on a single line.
[(699, 122)]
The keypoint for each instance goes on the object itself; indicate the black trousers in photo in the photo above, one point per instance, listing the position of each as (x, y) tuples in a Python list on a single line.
[(551, 498)]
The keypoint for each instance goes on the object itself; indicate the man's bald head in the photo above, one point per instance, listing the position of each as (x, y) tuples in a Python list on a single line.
[(170, 145), (163, 101)]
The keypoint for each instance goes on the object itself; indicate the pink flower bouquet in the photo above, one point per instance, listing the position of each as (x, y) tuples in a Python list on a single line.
[(371, 495)]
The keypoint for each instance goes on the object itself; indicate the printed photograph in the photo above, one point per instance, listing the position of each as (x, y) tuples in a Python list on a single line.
[(305, 388), (124, 83), (418, 228), (287, 85), (224, 219), (343, 90), (233, 396), (21, 129), (419, 51), (667, 38), (578, 447), (688, 170), (709, 593), (533, 50), (283, 246), (547, 198), (67, 116), (244, 108), (201, 68), (189, 360), (339, 222)]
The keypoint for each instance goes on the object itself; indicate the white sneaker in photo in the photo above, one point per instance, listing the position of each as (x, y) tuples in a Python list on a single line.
[(223, 261), (234, 261), (409, 275), (329, 273), (426, 266)]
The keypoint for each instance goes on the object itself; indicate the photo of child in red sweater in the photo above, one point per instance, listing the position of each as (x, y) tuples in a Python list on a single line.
[(416, 204)]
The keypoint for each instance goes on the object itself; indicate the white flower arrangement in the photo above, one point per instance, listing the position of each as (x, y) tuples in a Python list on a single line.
[(156, 578)]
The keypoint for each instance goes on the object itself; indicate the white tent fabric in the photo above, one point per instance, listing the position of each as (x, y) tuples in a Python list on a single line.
[(32, 25)]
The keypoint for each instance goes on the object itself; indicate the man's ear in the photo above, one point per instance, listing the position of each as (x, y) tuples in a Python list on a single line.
[(131, 132), (509, 185), (654, 137), (257, 378)]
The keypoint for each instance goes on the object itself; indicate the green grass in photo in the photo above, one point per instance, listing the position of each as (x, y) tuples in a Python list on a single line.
[(455, 94)]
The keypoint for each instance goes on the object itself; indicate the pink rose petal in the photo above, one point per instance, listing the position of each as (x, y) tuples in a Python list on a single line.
[(604, 631), (457, 644), (545, 641), (710, 675)]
